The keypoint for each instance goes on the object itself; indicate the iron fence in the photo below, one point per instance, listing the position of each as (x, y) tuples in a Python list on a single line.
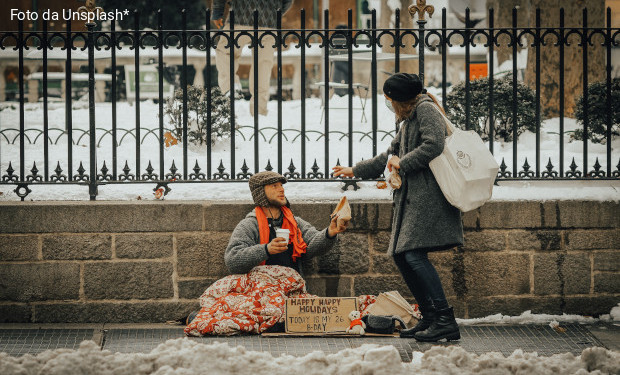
[(95, 172)]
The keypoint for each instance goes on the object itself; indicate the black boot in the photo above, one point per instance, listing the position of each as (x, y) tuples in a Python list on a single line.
[(428, 316), (444, 327)]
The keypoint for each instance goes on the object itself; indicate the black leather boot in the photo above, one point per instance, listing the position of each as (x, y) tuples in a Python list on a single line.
[(428, 316), (444, 327)]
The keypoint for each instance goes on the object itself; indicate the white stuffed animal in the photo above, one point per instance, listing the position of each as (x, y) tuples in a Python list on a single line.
[(357, 326)]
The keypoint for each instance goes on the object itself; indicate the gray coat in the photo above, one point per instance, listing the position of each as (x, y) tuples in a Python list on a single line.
[(423, 218), (245, 252)]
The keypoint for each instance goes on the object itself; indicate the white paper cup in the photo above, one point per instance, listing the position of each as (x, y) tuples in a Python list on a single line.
[(284, 233)]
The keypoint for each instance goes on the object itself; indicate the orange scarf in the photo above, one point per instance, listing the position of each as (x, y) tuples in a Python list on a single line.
[(299, 245)]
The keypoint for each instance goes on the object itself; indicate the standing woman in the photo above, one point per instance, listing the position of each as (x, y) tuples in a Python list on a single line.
[(423, 219)]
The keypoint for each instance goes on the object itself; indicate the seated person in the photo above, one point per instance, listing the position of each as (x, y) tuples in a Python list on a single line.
[(254, 241)]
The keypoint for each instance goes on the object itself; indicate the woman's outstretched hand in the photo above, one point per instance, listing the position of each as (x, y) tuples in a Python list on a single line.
[(343, 171)]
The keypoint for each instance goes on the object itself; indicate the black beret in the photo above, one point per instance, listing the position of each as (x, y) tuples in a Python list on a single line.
[(402, 86)]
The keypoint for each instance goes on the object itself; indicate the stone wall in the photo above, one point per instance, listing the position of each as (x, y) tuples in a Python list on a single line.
[(149, 261)]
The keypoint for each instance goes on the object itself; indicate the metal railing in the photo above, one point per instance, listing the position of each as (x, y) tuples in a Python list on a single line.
[(302, 39)]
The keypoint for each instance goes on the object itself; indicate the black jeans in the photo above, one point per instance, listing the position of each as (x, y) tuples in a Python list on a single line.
[(422, 279)]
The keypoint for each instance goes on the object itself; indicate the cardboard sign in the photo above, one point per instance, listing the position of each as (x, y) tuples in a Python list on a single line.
[(319, 315)]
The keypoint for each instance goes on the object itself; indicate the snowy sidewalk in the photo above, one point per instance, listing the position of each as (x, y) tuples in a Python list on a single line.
[(19, 339)]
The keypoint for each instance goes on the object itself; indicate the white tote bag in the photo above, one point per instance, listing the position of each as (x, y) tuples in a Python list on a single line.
[(465, 170)]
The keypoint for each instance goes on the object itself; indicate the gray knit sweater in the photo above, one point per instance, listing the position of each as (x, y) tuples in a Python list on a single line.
[(245, 252)]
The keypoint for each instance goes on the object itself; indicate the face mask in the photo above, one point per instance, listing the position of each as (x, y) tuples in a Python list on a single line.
[(388, 104)]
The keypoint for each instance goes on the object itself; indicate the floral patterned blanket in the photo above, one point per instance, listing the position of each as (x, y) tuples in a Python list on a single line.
[(252, 302)]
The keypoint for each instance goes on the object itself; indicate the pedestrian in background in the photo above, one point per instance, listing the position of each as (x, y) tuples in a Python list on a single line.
[(244, 20)]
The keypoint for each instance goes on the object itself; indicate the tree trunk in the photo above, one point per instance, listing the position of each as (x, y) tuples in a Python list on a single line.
[(573, 54), (406, 22)]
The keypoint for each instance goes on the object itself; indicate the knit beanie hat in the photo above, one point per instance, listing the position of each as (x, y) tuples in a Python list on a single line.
[(402, 86), (257, 186)]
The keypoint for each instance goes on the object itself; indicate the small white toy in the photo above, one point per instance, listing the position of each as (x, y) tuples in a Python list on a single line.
[(357, 326)]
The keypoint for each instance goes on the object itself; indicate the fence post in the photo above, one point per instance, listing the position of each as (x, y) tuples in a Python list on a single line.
[(420, 8), (92, 181)]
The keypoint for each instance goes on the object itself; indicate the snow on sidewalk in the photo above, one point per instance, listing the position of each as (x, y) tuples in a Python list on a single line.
[(187, 357)]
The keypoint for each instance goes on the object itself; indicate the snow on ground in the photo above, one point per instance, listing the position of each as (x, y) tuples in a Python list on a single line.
[(244, 150), (187, 357)]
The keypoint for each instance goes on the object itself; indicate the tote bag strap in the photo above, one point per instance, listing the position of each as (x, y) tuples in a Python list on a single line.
[(449, 125)]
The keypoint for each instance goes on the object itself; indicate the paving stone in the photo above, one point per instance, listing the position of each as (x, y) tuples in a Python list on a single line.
[(77, 247), (128, 280), (201, 254), (39, 281), (561, 273), (18, 247), (143, 246)]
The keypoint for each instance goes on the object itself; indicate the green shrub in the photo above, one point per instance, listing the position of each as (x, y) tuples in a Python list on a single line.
[(597, 112), (502, 104), (197, 114)]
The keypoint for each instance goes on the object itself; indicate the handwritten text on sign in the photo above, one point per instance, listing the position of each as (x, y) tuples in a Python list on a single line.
[(319, 315)]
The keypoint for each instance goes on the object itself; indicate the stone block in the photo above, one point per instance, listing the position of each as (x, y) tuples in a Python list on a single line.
[(512, 306), (486, 240), (549, 214), (377, 284), (192, 289), (350, 256), (534, 240), (15, 313), (510, 215), (328, 286), (39, 281), (580, 239), (113, 312), (310, 266), (17, 247), (607, 282), (590, 306), (143, 246), (77, 247), (381, 242), (589, 214), (561, 273), (384, 265), (317, 214), (202, 254), (489, 274), (128, 280), (225, 216), (100, 216), (607, 261), (470, 219)]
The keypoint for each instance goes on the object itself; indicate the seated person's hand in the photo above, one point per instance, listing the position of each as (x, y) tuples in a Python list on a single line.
[(343, 171), (218, 23), (277, 245), (334, 228)]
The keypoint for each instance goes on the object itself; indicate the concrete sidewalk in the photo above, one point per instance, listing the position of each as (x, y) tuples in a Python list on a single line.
[(20, 339)]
